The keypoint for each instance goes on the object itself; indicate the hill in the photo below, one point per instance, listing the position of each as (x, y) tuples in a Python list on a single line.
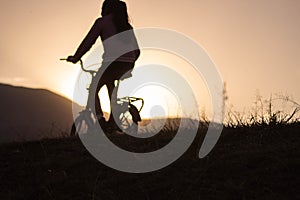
[(32, 114), (247, 163)]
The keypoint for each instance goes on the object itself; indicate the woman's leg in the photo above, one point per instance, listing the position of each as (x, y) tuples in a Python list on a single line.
[(110, 89), (112, 93), (98, 107)]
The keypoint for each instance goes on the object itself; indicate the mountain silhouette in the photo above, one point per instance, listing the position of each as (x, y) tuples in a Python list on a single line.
[(33, 114)]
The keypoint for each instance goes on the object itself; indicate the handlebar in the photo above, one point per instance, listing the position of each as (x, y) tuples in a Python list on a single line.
[(81, 65)]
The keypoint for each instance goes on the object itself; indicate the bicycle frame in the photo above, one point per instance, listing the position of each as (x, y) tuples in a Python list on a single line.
[(123, 104)]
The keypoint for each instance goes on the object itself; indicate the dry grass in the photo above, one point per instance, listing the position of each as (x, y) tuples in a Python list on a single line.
[(280, 110)]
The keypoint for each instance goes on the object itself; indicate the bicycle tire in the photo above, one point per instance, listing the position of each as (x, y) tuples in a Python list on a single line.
[(135, 113), (128, 120), (77, 124)]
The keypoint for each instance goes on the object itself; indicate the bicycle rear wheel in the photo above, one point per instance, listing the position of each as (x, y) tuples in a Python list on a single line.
[(129, 119)]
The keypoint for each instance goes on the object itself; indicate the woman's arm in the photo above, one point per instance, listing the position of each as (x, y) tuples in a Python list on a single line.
[(87, 42)]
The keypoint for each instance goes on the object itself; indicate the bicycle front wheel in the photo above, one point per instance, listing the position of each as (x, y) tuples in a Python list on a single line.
[(77, 125), (81, 125)]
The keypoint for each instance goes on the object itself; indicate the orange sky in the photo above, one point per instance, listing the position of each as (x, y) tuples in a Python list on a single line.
[(255, 44)]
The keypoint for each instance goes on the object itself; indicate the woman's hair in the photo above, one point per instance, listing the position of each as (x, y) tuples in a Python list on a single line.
[(120, 15)]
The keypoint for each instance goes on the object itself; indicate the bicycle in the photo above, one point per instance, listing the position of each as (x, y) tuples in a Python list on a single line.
[(127, 115)]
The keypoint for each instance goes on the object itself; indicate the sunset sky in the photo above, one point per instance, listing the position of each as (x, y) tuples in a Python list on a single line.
[(255, 44)]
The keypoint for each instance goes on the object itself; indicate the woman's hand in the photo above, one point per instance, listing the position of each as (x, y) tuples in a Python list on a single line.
[(72, 59)]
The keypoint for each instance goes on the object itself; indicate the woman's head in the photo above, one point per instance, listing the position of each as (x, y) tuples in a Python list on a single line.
[(120, 15), (108, 7)]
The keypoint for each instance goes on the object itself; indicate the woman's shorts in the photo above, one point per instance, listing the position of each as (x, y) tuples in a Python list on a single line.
[(118, 70)]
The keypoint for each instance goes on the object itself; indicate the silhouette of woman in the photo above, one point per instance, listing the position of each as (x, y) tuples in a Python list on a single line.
[(114, 20)]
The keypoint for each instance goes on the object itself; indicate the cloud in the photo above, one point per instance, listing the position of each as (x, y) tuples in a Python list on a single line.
[(17, 81), (12, 79)]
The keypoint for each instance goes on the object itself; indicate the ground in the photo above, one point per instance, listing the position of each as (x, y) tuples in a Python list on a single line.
[(247, 163)]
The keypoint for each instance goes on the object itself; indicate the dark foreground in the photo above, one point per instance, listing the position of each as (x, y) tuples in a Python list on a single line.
[(247, 163)]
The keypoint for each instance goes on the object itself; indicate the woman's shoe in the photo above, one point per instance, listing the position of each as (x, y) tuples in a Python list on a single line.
[(103, 123)]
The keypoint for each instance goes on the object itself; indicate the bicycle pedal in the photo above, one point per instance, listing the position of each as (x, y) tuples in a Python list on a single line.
[(117, 132)]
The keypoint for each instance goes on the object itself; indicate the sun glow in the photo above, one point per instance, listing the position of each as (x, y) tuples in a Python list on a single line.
[(159, 100)]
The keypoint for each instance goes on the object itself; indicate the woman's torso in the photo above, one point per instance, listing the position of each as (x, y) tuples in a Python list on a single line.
[(115, 48)]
